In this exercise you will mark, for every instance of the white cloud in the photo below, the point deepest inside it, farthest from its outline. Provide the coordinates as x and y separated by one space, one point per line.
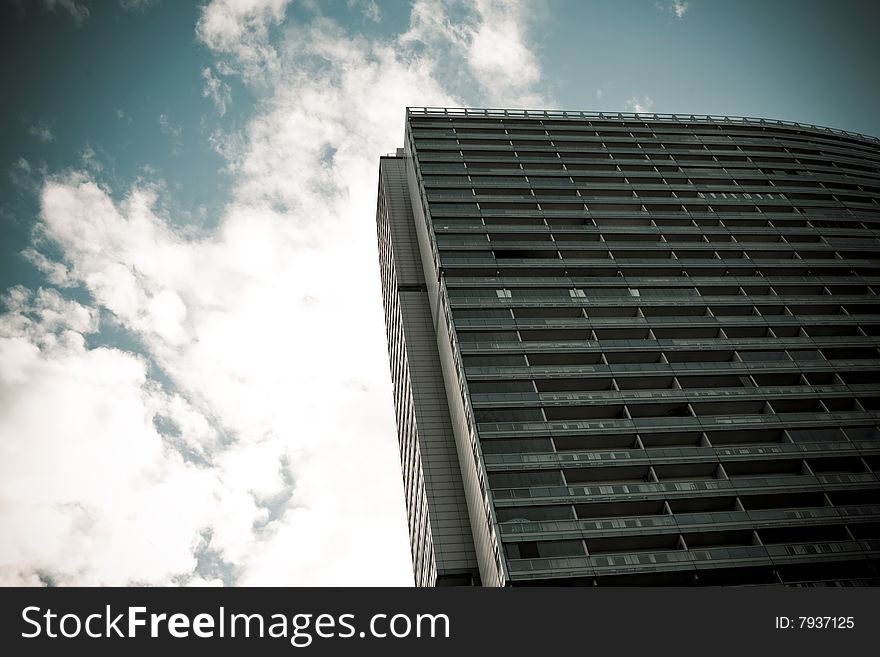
79 13
25 176
492 35
276 452
285 379
91 159
368 8
41 131
55 272
600 93
217 90
137 5
240 29
21 165
679 7
91 496
640 106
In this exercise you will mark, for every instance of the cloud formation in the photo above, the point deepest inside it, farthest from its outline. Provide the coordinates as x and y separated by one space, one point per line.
240 29
86 482
368 8
252 439
41 131
491 35
217 90
640 106
79 13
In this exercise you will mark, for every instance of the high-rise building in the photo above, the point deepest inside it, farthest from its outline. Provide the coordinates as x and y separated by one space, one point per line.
634 348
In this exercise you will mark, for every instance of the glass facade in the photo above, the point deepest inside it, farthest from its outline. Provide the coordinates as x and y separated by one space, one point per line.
655 339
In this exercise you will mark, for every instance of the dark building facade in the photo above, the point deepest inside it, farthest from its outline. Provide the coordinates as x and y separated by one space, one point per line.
634 349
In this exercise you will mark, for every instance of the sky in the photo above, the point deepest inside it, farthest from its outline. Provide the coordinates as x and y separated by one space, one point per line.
194 384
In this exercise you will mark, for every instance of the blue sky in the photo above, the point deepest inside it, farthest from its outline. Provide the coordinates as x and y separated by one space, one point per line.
187 213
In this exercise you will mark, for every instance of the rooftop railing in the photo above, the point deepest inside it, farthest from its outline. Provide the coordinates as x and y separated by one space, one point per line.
471 112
